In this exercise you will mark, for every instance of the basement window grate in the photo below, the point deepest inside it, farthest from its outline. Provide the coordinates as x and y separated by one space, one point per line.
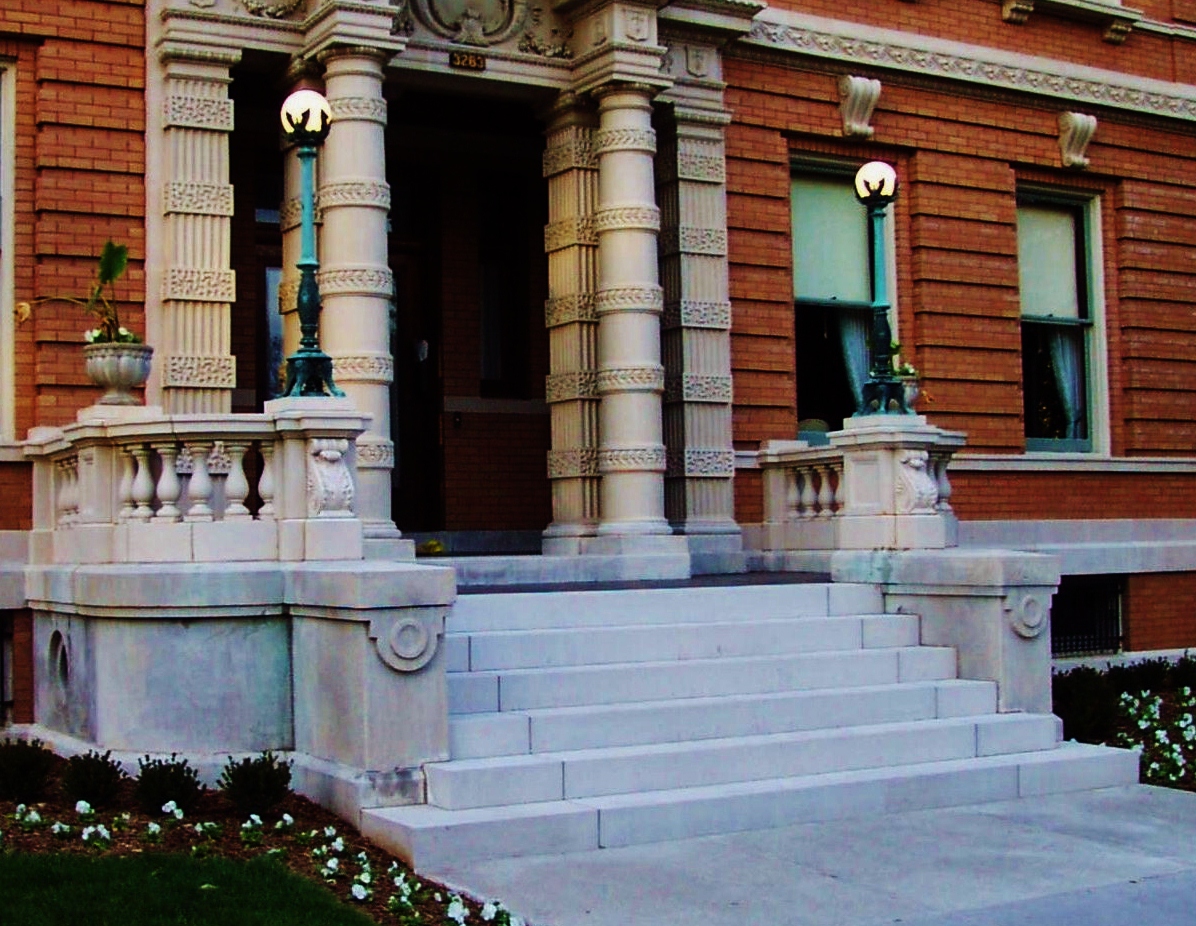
1086 616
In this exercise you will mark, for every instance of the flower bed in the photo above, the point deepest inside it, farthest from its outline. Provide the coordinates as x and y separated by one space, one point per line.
1149 707
304 837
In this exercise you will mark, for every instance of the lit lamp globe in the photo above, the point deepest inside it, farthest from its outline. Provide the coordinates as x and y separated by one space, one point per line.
306 116
876 183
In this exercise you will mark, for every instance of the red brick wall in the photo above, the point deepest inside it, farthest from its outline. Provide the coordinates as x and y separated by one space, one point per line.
80 164
16 489
495 474
22 668
961 153
1159 611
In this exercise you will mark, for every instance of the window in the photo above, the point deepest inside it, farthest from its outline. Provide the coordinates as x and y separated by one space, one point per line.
832 289
1086 615
1058 307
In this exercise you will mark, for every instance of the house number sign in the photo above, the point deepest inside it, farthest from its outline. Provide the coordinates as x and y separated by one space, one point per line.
467 60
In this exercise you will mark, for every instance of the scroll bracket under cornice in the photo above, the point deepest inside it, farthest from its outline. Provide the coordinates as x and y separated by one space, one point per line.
857 100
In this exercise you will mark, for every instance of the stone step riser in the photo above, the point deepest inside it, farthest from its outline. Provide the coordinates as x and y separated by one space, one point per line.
531 779
496 650
483 735
480 692
429 837
532 610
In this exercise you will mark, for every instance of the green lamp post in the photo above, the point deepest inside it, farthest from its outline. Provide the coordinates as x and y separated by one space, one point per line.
883 393
305 119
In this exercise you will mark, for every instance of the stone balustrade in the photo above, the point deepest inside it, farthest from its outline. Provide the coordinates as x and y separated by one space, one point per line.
881 483
137 485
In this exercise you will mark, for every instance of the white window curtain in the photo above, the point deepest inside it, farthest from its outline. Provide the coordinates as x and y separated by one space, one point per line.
853 336
1067 359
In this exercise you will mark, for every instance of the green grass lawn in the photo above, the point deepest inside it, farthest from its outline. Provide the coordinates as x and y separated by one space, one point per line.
161 890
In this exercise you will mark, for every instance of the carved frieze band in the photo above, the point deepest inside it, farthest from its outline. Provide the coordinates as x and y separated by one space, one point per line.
629 299
695 387
788 32
567 387
689 239
691 313
364 368
375 454
631 379
356 281
702 462
569 232
576 155
358 109
199 112
373 194
290 213
184 284
190 198
564 310
631 459
701 168
200 372
572 464
627 217
288 296
624 140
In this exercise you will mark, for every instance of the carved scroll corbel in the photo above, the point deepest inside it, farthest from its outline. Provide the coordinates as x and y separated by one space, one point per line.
1075 132
857 100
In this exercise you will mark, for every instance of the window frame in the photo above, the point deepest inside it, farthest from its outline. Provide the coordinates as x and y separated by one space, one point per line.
1090 294
844 171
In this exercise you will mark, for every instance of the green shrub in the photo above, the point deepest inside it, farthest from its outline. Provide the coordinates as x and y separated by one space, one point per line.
92 777
257 784
164 780
1086 700
24 770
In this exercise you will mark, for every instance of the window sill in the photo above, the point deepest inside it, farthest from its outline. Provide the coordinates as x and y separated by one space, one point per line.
1118 20
1069 463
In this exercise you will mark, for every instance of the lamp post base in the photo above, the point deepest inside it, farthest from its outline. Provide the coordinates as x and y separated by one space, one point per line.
309 372
883 397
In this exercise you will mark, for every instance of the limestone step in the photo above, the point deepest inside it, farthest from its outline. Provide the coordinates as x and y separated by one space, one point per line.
468 783
536 610
525 689
430 837
593 726
521 649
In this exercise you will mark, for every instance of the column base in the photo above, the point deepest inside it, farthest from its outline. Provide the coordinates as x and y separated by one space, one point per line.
631 544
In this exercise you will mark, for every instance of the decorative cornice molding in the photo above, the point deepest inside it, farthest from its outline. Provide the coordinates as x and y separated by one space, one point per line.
888 49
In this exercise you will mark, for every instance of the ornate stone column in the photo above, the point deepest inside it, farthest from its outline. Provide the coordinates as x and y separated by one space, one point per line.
356 284
194 370
691 186
571 172
629 302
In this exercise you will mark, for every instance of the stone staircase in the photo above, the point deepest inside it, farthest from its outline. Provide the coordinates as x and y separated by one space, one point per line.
592 719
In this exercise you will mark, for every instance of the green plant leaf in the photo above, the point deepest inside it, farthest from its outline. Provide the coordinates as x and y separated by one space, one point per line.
114 258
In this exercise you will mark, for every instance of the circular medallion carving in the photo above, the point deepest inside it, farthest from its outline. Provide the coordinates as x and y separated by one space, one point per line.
1028 614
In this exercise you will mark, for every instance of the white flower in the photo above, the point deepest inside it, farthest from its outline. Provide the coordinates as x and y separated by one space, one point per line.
88 832
456 910
364 877
332 864
102 832
255 819
178 813
286 822
359 892
33 817
59 829
83 809
169 807
489 910
152 828
338 845
20 811
330 831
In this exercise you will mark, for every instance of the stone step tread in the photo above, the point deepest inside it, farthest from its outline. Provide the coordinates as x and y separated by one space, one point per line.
564 646
428 836
672 720
653 766
678 621
597 608
521 689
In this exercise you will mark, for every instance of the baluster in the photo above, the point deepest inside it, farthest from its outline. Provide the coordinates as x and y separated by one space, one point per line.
62 497
169 487
808 498
838 466
200 487
128 466
826 497
792 495
944 484
236 486
265 483
143 485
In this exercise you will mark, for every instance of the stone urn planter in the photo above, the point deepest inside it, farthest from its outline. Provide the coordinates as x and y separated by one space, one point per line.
118 368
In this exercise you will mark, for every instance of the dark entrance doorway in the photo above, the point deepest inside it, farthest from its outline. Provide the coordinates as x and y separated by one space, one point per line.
468 208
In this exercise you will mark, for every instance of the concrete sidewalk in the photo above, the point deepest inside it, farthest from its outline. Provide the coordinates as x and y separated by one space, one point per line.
1114 856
